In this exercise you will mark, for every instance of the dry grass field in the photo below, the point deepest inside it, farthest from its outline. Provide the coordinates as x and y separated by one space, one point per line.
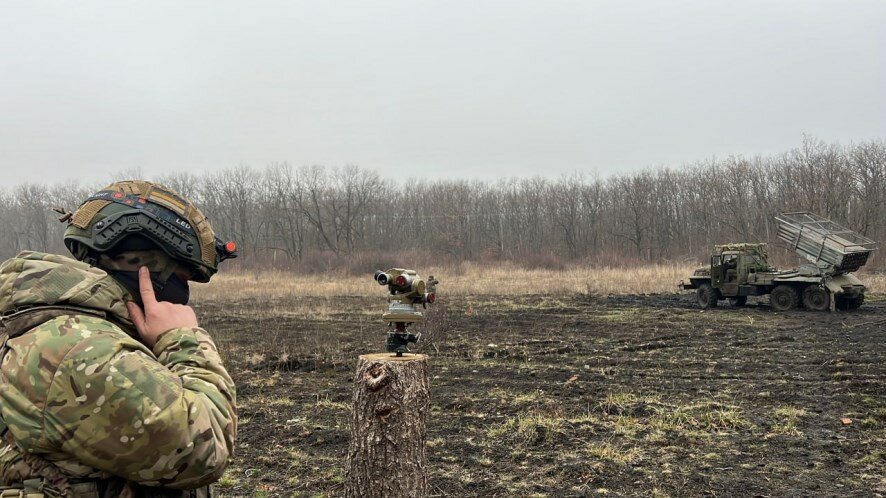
590 382
469 279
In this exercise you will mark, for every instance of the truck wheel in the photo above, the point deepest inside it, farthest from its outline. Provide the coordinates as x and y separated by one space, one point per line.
738 301
856 302
816 298
784 298
850 302
707 296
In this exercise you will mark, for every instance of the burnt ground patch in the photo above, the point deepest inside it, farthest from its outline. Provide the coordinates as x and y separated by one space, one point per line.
574 396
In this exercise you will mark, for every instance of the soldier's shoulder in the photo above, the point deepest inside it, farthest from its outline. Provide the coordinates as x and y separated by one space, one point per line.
50 342
33 361
76 327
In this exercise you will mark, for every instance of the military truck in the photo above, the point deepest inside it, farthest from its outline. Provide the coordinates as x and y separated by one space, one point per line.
738 271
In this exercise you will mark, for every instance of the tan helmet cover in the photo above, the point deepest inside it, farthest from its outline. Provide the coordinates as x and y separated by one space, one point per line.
135 192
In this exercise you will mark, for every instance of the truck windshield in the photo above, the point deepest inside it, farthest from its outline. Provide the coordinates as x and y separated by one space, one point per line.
759 262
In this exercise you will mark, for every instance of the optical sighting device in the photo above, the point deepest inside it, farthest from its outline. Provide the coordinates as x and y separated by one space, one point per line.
408 290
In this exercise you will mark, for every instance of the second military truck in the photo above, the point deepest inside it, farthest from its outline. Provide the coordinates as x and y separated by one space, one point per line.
737 271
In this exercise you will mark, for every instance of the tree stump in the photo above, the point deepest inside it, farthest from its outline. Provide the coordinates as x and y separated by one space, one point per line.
387 457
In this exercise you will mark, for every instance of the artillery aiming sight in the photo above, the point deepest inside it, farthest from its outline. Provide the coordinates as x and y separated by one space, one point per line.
407 291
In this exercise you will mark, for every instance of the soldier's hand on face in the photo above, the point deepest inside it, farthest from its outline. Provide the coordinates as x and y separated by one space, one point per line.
158 316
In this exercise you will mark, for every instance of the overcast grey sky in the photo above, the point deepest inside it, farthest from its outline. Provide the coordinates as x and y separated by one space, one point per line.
429 88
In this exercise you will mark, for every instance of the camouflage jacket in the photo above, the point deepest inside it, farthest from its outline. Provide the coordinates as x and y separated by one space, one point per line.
82 397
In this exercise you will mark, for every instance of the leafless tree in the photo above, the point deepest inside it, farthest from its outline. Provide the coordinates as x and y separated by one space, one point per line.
296 216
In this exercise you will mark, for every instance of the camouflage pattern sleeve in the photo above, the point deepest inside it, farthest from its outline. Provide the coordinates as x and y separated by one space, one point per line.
164 420
12 465
192 356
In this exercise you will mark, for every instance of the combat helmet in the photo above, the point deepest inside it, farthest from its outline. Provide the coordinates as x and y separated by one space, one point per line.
128 210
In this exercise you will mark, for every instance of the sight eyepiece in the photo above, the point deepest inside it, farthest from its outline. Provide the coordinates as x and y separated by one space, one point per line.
382 278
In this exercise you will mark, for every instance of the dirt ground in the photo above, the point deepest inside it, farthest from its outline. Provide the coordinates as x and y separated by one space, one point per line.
573 396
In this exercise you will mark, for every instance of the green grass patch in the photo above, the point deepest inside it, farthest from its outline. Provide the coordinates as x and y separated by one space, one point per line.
787 420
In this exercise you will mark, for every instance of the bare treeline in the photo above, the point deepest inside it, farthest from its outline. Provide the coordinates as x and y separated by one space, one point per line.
319 219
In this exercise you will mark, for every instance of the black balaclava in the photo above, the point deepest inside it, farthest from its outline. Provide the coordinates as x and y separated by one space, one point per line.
135 251
175 290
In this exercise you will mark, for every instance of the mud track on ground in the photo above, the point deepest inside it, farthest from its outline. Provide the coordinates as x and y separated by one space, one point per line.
574 396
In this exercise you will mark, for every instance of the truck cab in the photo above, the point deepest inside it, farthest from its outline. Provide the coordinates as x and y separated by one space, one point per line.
735 266
731 269
725 272
736 272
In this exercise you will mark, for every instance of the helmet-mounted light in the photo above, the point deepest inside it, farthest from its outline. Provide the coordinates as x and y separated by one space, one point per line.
225 250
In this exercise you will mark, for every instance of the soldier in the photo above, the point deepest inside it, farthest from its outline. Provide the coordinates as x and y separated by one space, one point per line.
108 386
